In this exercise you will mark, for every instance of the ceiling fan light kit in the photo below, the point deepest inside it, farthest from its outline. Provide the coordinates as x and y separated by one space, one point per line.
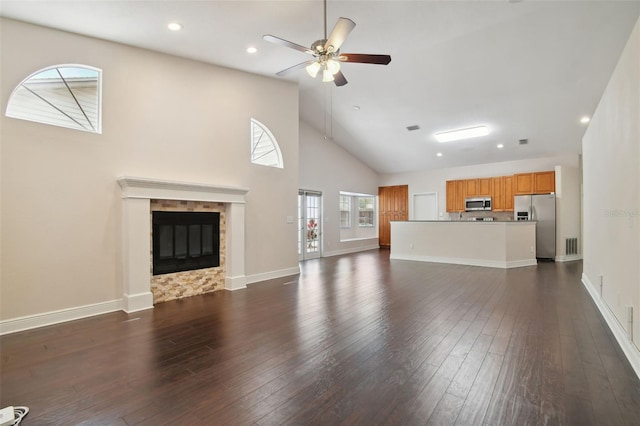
326 53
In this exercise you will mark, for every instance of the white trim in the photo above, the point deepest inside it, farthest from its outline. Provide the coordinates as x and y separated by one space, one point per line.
235 283
358 239
412 207
568 258
629 349
137 302
135 187
252 279
351 250
55 317
469 262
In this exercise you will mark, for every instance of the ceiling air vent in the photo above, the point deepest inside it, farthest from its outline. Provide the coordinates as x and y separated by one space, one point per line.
523 141
412 128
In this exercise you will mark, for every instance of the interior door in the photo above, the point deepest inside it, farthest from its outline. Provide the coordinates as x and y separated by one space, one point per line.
309 225
425 206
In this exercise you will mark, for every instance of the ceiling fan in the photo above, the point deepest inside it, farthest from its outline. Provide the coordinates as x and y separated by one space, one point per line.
326 53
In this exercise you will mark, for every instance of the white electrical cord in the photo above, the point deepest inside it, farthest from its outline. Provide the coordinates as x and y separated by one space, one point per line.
19 413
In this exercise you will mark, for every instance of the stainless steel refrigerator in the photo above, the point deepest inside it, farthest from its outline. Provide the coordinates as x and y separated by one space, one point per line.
542 209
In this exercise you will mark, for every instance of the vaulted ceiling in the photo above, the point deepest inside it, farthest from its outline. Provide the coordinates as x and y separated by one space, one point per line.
526 69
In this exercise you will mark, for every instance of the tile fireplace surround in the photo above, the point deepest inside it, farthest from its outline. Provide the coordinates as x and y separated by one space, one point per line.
137 194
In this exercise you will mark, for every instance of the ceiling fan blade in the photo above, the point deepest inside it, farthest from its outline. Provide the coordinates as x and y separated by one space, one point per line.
294 68
339 79
339 33
286 43
364 58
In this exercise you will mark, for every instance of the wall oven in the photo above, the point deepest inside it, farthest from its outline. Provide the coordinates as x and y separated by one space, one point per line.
477 203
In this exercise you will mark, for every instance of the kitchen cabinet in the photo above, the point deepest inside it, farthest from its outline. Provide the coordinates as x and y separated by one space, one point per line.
484 187
535 183
393 204
497 194
544 182
508 193
456 193
470 188
523 183
502 194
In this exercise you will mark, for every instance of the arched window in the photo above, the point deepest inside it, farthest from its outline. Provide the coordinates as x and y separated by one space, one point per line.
264 147
60 95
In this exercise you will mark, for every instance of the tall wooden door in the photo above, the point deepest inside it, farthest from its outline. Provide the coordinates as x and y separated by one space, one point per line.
393 202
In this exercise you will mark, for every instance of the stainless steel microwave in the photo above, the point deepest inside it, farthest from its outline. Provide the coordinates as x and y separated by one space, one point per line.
477 203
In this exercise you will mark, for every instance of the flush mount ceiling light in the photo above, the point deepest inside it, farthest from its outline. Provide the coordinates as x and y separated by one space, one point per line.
459 134
174 26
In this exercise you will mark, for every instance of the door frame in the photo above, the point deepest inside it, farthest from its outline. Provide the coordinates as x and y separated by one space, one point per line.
303 221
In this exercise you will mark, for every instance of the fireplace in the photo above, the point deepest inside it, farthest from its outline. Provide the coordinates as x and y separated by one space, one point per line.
137 196
185 241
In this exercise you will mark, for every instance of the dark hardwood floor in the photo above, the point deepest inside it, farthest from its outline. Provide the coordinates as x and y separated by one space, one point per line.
357 339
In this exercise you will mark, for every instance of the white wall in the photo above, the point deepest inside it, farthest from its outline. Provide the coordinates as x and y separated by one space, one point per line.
328 168
163 117
568 210
611 158
435 180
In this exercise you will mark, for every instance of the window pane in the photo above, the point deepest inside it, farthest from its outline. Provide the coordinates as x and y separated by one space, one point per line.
207 239
63 95
181 241
194 240
345 211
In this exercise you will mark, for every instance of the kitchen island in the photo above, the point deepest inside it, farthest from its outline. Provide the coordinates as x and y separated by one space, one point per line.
478 243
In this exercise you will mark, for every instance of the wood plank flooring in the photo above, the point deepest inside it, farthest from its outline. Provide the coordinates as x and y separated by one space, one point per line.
357 339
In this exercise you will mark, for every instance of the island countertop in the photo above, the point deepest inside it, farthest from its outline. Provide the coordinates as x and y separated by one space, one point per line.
497 244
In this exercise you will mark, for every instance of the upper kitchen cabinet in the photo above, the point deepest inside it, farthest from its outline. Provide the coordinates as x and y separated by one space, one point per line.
508 193
502 194
480 187
523 183
535 183
544 182
456 193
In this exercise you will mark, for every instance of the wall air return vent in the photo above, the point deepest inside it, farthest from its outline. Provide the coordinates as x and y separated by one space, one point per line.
523 141
412 128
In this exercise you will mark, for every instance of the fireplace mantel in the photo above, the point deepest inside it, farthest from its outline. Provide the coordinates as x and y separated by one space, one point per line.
137 194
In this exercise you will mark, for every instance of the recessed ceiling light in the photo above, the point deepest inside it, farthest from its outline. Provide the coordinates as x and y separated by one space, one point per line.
251 49
439 154
500 145
455 135
585 120
174 26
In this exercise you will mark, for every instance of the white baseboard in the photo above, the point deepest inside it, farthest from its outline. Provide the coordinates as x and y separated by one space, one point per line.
55 317
568 258
272 275
137 302
235 283
350 250
468 262
629 349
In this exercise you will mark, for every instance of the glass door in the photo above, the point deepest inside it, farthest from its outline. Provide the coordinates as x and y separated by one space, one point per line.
309 224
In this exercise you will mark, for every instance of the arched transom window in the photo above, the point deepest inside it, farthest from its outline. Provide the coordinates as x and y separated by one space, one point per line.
60 95
264 147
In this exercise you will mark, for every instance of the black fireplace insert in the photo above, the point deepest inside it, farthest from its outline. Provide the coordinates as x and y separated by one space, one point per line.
184 241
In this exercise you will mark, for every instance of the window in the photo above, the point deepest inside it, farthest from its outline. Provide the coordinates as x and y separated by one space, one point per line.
264 147
61 95
366 211
345 211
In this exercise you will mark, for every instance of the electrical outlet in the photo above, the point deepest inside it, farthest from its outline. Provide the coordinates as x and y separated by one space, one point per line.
531 249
